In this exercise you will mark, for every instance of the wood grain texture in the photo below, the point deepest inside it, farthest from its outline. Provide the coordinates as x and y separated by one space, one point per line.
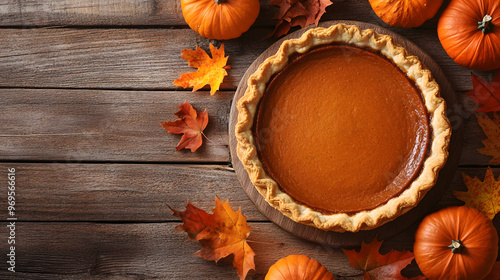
149 13
139 192
98 13
95 125
148 58
145 251
108 125
121 192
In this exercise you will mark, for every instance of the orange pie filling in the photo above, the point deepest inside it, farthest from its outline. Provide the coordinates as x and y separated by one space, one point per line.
342 129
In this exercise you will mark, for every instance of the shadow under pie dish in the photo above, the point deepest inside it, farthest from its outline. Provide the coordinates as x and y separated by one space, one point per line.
342 129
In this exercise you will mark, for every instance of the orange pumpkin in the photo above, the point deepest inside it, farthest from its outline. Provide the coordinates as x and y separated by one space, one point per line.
469 31
298 267
220 19
456 243
404 13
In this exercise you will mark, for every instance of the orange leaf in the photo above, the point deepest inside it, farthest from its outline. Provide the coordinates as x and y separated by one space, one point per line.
491 128
495 272
483 196
486 94
211 71
379 266
221 234
297 13
190 124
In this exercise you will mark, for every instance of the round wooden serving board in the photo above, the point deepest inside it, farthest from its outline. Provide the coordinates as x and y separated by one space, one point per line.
350 239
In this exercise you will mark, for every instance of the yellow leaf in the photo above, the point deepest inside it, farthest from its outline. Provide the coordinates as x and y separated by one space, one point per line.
483 196
491 128
211 71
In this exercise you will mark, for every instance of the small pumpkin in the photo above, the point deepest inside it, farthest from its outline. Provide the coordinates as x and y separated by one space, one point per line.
456 243
404 13
298 267
469 31
220 19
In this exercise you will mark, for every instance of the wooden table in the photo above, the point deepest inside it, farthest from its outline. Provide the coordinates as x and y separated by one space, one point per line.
84 86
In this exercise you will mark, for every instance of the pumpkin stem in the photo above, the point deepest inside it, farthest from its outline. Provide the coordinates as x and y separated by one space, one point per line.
456 246
485 26
219 1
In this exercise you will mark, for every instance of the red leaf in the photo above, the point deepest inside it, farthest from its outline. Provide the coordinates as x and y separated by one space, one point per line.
485 93
190 124
379 266
297 13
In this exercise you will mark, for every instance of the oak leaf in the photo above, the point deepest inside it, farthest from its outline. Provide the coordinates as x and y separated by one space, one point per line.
211 71
190 124
491 128
485 93
297 13
483 196
378 266
221 234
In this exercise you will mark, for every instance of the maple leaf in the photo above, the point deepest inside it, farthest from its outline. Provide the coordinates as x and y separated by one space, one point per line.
190 124
297 13
221 234
211 71
485 93
491 128
483 196
379 266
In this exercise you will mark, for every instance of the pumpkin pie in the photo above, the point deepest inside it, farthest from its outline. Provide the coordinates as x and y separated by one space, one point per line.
342 129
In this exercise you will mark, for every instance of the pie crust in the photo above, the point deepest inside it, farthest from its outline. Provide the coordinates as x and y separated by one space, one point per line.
367 219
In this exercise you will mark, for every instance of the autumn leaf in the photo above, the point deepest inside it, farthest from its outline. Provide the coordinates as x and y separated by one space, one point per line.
379 266
297 13
211 71
221 234
485 93
491 128
483 196
190 124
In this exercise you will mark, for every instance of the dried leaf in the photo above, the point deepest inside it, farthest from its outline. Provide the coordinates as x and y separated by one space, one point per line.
190 124
221 234
485 93
491 128
297 13
483 196
211 71
379 266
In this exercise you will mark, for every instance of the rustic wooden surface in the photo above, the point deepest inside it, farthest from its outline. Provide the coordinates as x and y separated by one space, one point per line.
83 88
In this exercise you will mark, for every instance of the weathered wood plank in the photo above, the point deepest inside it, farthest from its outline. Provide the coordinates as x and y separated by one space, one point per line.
121 192
149 13
90 125
147 251
104 125
137 192
146 58
109 13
